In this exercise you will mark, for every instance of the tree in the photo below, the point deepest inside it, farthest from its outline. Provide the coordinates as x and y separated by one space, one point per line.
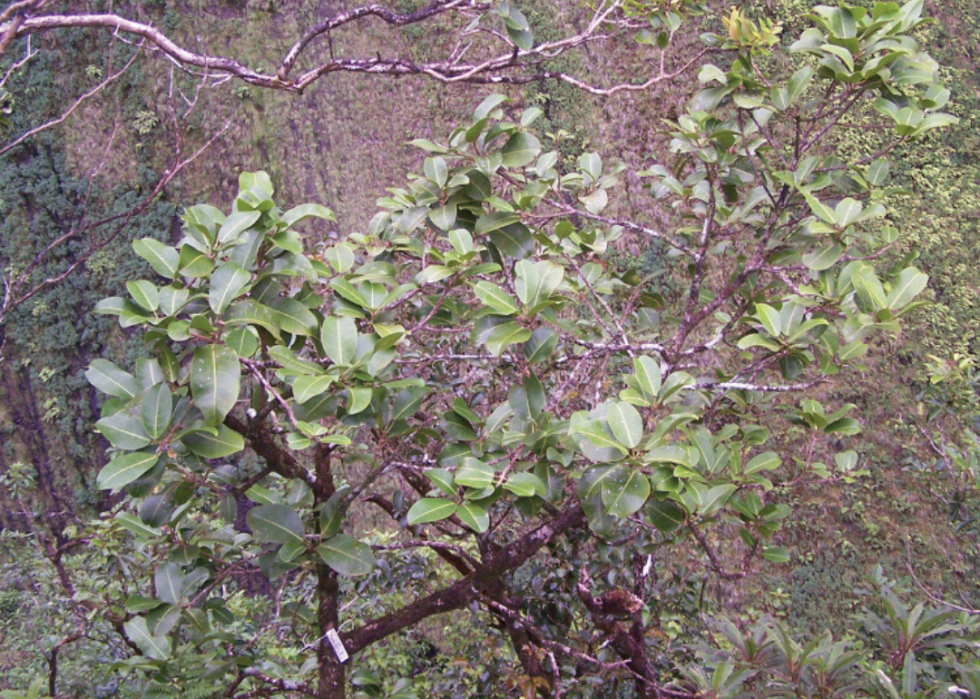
476 369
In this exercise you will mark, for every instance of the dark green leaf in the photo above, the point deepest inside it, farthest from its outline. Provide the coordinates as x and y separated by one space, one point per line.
277 524
215 446
110 379
156 410
347 555
123 431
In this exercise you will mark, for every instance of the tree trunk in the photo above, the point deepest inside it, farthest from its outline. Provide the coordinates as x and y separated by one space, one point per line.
331 680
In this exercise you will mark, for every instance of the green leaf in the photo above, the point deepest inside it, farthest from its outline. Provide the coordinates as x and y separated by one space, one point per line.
359 399
525 485
305 211
194 263
169 583
490 103
496 298
846 426
306 387
847 212
709 500
340 257
292 364
155 647
474 516
540 345
671 454
763 462
776 554
215 381
910 283
339 338
473 473
520 150
647 372
243 341
125 469
436 171
227 283
594 431
137 603
495 221
846 460
332 514
878 172
407 402
824 258
173 299
428 145
162 258
277 524
110 379
145 294
626 425
294 317
123 431
769 317
797 84
505 335
347 555
536 282
443 217
443 480
514 240
666 516
215 446
589 490
136 526
157 509
624 491
156 410
249 312
236 224
431 510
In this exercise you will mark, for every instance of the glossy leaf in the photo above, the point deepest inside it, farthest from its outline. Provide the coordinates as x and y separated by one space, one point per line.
125 469
214 379
156 409
347 555
431 510
277 524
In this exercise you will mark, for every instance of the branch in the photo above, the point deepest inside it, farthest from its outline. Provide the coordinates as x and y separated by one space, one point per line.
493 70
11 300
467 589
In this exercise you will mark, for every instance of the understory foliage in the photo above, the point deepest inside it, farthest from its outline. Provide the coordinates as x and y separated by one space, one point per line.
465 410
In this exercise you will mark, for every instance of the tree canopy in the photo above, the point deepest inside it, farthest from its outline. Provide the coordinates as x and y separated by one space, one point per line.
471 407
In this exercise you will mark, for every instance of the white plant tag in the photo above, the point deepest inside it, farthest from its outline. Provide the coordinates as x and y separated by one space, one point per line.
338 646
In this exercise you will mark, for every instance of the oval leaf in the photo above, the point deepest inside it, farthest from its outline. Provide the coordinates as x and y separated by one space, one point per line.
347 555
215 381
277 524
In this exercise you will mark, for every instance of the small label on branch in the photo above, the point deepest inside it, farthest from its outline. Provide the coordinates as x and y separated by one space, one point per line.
338 645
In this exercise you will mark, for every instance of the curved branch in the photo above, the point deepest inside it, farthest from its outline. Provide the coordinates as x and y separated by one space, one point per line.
494 70
467 589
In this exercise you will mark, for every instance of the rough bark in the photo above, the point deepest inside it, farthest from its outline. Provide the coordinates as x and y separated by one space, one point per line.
331 680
